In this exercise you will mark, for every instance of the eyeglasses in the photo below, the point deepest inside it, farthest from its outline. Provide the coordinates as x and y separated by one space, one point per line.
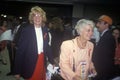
37 15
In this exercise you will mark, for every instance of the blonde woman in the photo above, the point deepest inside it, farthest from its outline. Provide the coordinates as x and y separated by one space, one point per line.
33 48
75 57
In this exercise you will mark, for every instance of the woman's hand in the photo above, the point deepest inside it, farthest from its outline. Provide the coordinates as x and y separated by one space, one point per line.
92 72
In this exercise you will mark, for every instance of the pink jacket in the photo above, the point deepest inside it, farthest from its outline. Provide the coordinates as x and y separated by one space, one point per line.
71 56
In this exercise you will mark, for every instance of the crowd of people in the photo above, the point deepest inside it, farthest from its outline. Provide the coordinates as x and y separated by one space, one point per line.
92 52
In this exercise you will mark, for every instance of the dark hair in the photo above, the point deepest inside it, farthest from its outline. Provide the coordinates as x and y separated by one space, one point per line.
116 28
118 40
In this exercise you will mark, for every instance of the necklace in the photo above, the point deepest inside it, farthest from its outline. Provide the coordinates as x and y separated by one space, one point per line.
81 44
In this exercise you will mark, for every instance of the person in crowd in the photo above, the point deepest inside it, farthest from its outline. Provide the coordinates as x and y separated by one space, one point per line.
95 37
116 34
104 51
3 25
67 29
18 26
5 42
57 31
9 40
76 54
33 48
5 39
11 45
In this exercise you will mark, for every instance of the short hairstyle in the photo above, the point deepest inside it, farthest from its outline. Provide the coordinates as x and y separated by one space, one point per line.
37 9
83 23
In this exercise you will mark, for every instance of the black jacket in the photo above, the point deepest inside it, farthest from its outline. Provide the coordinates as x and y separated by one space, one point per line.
103 54
26 53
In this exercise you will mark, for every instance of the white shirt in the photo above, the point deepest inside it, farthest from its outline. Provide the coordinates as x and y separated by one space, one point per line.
96 35
104 32
7 35
50 38
39 37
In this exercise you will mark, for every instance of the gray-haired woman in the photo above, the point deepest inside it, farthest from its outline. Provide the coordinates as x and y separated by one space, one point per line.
75 57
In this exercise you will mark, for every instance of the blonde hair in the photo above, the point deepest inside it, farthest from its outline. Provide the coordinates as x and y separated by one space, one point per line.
83 23
37 9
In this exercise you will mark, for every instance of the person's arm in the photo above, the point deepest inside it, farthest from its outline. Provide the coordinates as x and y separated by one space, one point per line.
48 50
65 61
19 57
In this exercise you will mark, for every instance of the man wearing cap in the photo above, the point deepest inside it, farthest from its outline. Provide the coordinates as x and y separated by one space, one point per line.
103 56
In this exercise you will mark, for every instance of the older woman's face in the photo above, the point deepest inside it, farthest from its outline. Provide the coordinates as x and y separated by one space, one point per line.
37 19
87 32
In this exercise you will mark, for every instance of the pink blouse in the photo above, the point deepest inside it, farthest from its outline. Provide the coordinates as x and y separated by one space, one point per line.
71 57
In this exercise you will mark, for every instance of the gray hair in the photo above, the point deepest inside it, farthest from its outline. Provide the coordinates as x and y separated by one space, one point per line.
83 23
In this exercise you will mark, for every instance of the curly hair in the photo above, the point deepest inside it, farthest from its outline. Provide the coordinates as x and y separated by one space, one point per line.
83 23
37 9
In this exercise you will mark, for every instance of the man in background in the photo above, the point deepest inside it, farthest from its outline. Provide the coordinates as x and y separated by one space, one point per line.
104 51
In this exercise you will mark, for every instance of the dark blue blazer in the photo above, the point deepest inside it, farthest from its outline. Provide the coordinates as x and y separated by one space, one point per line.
103 56
27 53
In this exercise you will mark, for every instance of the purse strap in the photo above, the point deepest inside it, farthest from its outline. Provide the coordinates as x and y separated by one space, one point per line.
73 61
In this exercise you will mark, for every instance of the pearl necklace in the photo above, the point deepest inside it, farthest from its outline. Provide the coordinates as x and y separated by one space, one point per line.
81 44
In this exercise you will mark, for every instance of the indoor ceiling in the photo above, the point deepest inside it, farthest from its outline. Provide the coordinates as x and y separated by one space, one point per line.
21 7
72 1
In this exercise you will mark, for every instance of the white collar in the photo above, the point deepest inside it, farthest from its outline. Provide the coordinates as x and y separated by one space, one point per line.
104 32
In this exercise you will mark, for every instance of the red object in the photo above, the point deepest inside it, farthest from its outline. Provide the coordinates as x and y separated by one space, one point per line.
39 72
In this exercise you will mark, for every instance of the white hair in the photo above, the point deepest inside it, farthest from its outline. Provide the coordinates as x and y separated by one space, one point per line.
83 23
